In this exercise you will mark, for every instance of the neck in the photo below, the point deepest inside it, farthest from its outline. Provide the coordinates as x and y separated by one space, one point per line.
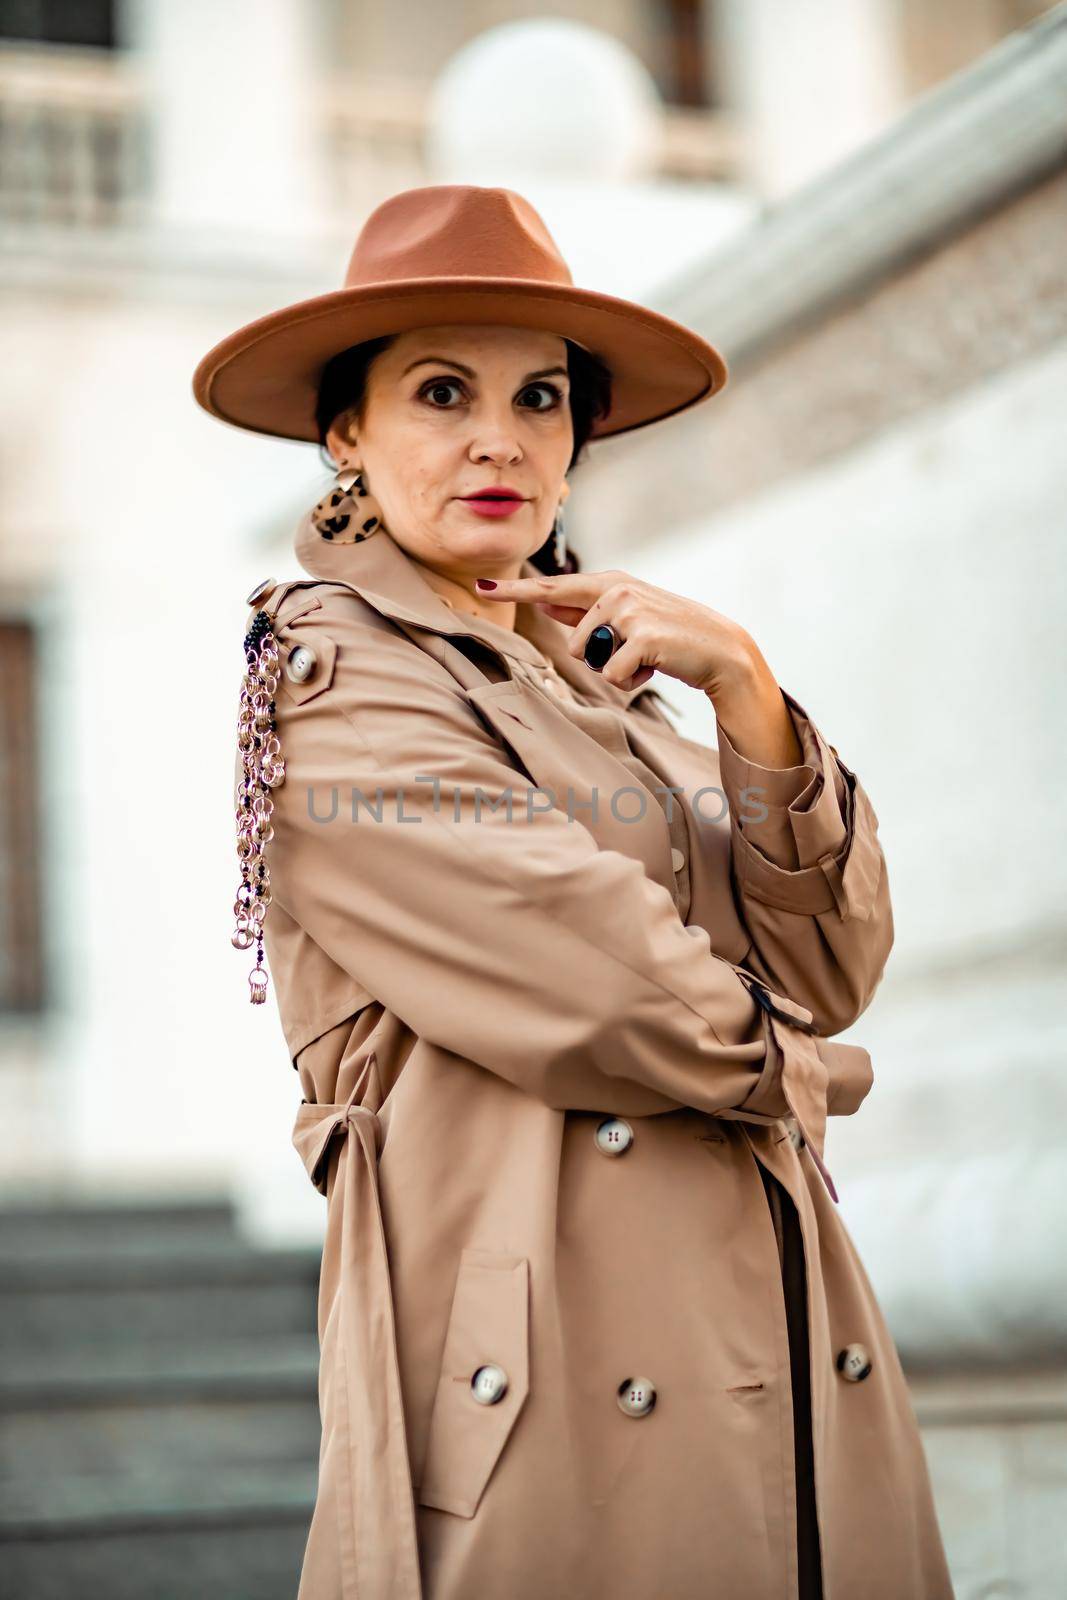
460 598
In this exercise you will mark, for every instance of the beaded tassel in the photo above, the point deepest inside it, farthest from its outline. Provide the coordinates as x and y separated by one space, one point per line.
263 770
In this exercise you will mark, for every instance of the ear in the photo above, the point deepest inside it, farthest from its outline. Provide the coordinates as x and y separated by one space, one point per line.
339 438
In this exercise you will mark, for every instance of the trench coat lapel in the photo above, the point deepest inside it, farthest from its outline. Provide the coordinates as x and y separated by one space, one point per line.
381 571
556 755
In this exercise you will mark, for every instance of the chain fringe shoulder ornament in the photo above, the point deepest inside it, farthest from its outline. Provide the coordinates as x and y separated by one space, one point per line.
346 514
263 769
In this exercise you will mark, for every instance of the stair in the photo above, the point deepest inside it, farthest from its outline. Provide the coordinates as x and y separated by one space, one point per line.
159 1423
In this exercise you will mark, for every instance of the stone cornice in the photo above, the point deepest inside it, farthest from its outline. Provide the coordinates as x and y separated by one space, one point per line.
961 151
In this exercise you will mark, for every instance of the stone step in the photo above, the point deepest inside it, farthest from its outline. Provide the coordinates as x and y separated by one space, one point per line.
253 1555
159 1420
126 1411
258 1562
128 1373
163 1498
69 1300
204 1431
30 1229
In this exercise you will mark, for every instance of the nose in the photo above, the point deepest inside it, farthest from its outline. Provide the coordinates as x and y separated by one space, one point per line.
494 438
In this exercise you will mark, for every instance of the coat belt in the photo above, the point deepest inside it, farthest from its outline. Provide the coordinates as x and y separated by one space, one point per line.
376 1505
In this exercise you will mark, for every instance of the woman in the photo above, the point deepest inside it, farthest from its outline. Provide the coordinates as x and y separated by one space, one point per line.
590 1322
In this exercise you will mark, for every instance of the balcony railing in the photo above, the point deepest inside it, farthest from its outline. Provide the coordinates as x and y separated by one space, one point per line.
76 139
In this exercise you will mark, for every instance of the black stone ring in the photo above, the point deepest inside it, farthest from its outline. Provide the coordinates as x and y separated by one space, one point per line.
600 646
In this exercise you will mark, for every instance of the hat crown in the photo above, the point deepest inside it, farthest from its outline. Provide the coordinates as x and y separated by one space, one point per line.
453 253
455 230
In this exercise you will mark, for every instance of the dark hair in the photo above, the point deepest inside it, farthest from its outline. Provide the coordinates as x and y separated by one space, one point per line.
343 387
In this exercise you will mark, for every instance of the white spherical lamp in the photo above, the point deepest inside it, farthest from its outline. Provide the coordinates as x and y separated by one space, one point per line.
543 96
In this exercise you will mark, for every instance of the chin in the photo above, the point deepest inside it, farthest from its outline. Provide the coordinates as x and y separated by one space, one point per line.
489 541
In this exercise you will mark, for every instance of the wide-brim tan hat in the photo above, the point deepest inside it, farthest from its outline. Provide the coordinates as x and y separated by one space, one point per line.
453 253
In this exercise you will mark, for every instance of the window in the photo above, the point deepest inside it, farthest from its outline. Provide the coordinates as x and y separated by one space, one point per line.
684 52
85 22
21 941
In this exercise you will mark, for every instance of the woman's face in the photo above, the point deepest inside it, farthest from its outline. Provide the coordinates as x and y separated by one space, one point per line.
453 409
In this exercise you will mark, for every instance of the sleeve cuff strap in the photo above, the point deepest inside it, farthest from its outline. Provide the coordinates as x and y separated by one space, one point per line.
841 854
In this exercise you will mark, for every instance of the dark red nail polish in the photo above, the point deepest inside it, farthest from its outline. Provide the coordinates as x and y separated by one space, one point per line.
485 583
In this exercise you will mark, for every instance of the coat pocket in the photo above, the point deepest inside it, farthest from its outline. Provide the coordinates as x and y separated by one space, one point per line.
488 1327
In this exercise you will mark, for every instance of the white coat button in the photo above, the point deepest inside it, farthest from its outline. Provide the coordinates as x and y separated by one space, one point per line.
854 1363
614 1136
636 1397
259 591
301 664
677 860
555 684
489 1384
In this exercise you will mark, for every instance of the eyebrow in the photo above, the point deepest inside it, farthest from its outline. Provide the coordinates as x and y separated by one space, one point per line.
446 361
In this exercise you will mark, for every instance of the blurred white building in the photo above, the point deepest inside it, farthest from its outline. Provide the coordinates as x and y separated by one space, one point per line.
878 497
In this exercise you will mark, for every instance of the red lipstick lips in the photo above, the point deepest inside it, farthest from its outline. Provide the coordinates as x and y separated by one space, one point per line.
498 501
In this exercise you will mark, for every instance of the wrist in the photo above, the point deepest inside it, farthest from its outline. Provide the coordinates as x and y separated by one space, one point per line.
751 712
739 678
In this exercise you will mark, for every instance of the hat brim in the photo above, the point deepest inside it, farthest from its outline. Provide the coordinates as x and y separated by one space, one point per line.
265 376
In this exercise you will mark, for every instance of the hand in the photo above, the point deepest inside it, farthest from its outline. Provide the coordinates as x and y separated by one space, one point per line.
660 631
666 632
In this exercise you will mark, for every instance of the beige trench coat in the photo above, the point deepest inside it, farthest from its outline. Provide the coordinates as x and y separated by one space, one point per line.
566 1079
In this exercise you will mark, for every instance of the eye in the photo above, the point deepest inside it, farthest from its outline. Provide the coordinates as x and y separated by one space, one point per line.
435 386
544 388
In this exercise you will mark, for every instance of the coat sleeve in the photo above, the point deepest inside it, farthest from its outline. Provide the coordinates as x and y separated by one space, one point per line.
809 875
429 868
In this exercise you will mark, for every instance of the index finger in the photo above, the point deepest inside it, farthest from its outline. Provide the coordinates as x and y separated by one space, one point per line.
565 588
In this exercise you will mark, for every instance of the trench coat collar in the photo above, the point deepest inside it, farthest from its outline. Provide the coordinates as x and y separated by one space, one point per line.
379 569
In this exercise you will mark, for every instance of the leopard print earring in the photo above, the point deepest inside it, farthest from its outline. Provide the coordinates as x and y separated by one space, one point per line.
348 512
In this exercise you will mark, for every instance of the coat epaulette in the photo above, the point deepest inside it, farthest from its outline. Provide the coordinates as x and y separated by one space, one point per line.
262 770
